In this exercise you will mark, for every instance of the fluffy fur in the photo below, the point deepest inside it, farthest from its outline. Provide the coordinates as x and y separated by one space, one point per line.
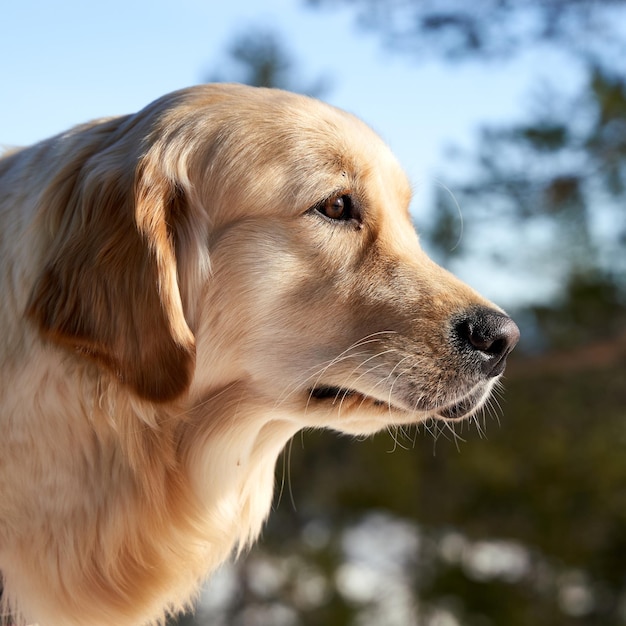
183 290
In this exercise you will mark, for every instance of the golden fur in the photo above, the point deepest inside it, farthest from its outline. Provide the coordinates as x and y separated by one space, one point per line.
182 291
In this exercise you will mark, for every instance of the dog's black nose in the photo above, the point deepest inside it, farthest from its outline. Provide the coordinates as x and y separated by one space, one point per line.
491 333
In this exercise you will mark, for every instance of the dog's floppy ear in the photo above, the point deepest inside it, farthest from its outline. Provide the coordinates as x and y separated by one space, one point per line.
109 289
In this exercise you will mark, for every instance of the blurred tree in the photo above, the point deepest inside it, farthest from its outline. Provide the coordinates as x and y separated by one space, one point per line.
259 57
491 29
561 175
543 198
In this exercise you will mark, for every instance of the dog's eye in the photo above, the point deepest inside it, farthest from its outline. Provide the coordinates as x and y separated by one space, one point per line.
337 208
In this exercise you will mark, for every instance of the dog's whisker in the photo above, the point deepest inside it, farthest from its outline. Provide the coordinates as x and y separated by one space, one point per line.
438 429
351 384
391 387
456 438
346 387
479 429
286 476
320 370
395 432
459 211
317 375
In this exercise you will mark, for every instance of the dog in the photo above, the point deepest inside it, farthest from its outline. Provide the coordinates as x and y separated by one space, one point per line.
183 290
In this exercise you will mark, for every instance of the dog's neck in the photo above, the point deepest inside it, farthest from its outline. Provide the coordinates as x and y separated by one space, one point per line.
231 461
204 490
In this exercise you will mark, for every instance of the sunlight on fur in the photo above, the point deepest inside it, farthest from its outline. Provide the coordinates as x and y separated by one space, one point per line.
184 289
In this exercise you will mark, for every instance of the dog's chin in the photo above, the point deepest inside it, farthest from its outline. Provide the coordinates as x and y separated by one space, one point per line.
466 405
346 400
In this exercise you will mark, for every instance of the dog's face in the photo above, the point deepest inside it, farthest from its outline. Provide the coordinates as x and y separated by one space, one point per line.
320 293
278 232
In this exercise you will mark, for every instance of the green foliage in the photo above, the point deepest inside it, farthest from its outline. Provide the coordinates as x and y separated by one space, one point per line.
545 136
591 308
258 57
491 29
564 175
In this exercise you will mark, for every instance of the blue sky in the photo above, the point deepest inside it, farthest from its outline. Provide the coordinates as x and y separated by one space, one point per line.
71 61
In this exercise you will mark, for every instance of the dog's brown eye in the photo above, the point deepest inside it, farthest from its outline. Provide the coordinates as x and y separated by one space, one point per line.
337 208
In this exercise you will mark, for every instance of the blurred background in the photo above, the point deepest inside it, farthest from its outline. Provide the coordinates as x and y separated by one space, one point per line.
510 119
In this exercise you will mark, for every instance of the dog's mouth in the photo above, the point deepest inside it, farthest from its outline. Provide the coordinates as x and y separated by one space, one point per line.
460 409
341 394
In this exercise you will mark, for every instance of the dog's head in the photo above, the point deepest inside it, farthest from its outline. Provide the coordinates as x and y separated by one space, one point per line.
235 235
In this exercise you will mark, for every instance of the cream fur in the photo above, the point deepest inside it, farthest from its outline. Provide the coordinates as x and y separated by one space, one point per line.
170 299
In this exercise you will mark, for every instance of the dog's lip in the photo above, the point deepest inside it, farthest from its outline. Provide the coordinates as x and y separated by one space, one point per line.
336 394
461 408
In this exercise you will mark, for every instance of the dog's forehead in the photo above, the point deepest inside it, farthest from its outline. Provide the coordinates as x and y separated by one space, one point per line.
343 151
267 147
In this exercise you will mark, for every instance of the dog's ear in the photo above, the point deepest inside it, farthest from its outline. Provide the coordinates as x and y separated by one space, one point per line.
109 290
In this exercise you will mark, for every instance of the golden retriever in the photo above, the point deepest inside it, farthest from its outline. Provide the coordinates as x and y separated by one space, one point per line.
183 290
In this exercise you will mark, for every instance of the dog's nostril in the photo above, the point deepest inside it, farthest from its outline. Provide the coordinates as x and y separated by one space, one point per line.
492 333
490 340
